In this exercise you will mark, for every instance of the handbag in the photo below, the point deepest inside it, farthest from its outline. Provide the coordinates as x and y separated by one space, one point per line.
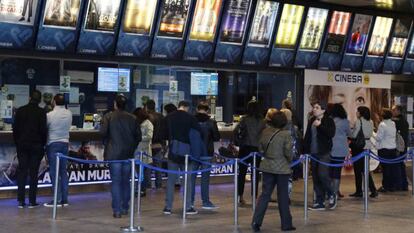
358 142
399 141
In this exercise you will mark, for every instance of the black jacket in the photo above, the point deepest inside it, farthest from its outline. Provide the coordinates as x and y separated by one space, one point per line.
325 133
30 126
209 131
121 133
402 126
157 120
178 125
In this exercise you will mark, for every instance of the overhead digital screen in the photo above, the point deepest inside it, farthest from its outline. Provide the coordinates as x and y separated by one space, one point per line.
62 13
205 20
18 11
102 15
113 79
263 23
174 14
289 26
234 21
139 15
380 36
314 27
359 36
411 50
204 83
400 38
337 31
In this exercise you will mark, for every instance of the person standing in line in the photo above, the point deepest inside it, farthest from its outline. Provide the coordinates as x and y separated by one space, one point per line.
144 145
340 148
121 133
403 128
318 142
209 134
59 121
386 137
157 144
276 145
247 133
30 135
365 123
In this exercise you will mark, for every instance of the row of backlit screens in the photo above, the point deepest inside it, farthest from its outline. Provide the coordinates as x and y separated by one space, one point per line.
102 15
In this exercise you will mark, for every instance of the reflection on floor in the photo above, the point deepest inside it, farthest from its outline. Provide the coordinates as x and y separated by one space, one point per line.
92 213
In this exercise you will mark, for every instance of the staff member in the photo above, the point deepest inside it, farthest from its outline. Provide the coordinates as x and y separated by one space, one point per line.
29 133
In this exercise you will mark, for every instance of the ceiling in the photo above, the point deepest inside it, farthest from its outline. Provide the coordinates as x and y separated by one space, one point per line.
404 6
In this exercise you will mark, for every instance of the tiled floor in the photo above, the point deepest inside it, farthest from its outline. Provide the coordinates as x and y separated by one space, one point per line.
90 213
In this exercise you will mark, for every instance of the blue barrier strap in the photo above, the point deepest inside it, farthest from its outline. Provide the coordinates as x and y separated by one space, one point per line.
90 161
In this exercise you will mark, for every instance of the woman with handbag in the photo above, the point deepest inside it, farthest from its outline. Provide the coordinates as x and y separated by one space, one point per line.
276 145
364 127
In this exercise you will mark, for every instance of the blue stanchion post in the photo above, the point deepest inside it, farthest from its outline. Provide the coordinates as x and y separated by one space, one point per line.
55 190
366 180
185 188
305 184
412 170
141 171
254 178
236 210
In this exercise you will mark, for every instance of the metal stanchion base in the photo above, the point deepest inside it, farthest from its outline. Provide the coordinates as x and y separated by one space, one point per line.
132 229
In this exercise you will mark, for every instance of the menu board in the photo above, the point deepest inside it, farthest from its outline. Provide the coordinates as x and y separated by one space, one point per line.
337 31
62 13
205 20
113 79
314 27
380 36
289 26
174 14
411 49
18 11
234 21
400 38
102 15
263 23
204 83
139 15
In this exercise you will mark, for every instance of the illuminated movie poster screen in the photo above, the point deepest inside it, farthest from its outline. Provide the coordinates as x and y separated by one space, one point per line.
205 20
380 36
62 13
289 26
400 38
234 21
174 14
411 50
314 27
139 16
102 15
263 23
18 11
337 32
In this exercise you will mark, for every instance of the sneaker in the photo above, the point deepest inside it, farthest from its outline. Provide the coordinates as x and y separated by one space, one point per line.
255 227
33 205
318 207
50 204
332 202
64 204
167 211
191 211
21 205
209 206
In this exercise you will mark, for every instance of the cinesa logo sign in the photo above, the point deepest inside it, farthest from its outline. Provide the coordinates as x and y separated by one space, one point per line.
348 78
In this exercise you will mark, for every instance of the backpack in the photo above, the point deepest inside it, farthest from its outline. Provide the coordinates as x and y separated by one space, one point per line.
399 141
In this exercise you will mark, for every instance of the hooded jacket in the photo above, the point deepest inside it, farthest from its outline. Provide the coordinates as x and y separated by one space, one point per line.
209 131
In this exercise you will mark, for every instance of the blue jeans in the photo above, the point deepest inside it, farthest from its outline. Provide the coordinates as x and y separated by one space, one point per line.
63 185
205 181
171 183
120 187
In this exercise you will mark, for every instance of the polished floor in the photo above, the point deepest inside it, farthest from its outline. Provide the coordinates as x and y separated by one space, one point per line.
91 212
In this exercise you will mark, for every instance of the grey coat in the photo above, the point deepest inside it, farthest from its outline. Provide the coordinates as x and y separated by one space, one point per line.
121 133
340 146
278 156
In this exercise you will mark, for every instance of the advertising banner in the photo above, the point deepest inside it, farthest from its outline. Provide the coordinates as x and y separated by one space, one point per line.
62 13
234 21
379 38
349 89
359 34
174 15
205 20
399 40
408 67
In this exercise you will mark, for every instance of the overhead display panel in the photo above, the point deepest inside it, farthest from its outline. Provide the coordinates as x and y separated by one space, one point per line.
359 34
137 30
62 13
99 27
399 38
334 45
205 20
264 21
314 28
408 67
174 15
289 26
234 21
17 18
139 16
380 35
410 53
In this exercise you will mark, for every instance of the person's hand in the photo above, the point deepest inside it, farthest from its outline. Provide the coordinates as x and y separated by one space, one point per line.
316 122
